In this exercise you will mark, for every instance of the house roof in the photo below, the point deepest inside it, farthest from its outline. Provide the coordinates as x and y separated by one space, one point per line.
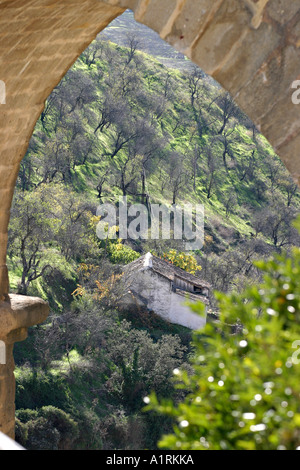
165 269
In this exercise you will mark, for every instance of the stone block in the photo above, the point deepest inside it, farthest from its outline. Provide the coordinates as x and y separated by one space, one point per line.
223 32
6 195
6 440
7 388
243 58
156 13
269 92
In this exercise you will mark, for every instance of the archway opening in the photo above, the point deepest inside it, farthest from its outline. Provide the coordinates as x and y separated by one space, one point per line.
219 160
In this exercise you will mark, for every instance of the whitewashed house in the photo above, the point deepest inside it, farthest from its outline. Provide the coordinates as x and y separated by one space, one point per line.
163 288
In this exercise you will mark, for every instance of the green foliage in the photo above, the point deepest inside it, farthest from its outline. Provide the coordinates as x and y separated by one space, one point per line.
25 415
49 428
21 432
183 141
244 390
172 145
49 228
90 364
139 364
124 431
91 428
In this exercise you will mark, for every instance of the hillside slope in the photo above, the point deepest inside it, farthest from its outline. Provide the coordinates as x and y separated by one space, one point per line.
121 123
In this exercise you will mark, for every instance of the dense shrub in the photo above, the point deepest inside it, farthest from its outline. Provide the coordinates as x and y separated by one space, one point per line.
41 435
21 432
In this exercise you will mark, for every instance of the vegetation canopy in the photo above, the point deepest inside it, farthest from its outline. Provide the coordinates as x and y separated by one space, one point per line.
139 120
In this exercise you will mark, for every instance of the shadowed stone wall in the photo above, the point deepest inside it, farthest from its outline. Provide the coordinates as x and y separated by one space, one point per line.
250 46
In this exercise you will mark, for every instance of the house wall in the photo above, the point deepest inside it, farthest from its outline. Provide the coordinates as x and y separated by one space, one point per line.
182 315
149 289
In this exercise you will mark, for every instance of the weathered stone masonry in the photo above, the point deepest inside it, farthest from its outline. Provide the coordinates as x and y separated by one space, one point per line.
250 46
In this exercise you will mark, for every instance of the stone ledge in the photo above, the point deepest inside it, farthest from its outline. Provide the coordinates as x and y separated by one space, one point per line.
19 312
